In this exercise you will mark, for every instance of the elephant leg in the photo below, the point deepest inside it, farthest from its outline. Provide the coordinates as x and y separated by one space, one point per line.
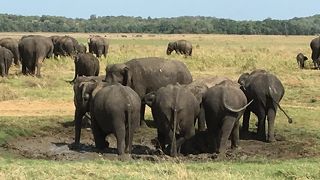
245 124
38 66
184 139
142 112
261 132
98 135
77 121
24 69
161 139
120 132
235 135
227 126
3 70
201 121
271 118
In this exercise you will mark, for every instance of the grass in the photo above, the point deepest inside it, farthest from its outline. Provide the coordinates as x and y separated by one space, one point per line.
222 55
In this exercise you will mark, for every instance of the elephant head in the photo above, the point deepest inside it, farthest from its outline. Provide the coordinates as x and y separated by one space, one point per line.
119 73
171 47
242 79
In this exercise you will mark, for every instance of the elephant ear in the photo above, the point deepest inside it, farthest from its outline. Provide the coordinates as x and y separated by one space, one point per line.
127 76
149 98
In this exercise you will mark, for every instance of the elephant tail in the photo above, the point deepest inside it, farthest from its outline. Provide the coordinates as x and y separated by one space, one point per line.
233 109
75 72
271 91
129 132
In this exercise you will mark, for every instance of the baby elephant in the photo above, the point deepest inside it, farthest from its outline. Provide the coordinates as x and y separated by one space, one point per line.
224 104
181 47
5 61
86 64
301 59
174 109
115 109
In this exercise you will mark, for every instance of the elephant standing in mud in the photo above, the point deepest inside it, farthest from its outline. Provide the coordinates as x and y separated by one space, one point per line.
180 47
86 65
13 46
266 91
115 109
301 59
33 50
145 75
98 45
224 104
315 56
174 109
6 57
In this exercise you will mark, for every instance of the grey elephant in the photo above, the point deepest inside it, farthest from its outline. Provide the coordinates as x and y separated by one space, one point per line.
98 45
82 87
115 109
180 47
223 104
6 57
174 109
301 59
86 64
81 48
65 46
33 50
145 75
266 91
315 56
13 46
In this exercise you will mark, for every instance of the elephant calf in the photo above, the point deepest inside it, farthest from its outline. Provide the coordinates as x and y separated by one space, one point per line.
86 65
115 109
181 47
5 61
224 104
174 109
301 59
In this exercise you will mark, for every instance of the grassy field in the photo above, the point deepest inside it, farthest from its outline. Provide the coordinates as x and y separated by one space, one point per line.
30 106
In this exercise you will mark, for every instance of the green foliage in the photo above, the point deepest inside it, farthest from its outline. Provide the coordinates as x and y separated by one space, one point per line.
178 25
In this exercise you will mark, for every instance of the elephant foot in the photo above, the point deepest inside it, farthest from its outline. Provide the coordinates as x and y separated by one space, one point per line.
271 140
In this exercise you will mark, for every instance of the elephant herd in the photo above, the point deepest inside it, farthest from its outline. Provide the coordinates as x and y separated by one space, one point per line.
181 107
315 55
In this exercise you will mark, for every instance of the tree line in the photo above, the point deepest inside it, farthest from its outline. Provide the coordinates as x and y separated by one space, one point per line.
176 25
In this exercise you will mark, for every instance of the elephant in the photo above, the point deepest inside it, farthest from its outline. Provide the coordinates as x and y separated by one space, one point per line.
223 105
83 85
145 75
86 65
301 59
174 109
13 46
65 46
6 57
98 45
81 48
115 109
266 91
315 56
181 47
33 50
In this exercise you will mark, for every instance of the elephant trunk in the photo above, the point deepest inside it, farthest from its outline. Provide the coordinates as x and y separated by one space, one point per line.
75 72
289 118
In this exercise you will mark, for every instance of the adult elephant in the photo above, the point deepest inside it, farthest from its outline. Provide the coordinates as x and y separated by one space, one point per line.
145 75
266 91
13 46
86 65
315 47
98 45
33 50
181 47
301 59
174 109
6 57
224 104
81 48
65 46
115 109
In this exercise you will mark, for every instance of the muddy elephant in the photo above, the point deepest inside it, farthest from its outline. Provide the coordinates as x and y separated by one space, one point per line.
266 91
64 46
223 104
83 85
86 65
33 50
145 75
181 47
115 109
13 46
301 59
6 57
98 45
174 109
315 55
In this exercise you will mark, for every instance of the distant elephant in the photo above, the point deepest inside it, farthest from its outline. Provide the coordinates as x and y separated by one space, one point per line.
301 59
181 47
115 109
315 56
6 57
65 46
145 75
174 109
266 91
223 104
98 45
13 46
33 50
86 65
81 48
82 87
